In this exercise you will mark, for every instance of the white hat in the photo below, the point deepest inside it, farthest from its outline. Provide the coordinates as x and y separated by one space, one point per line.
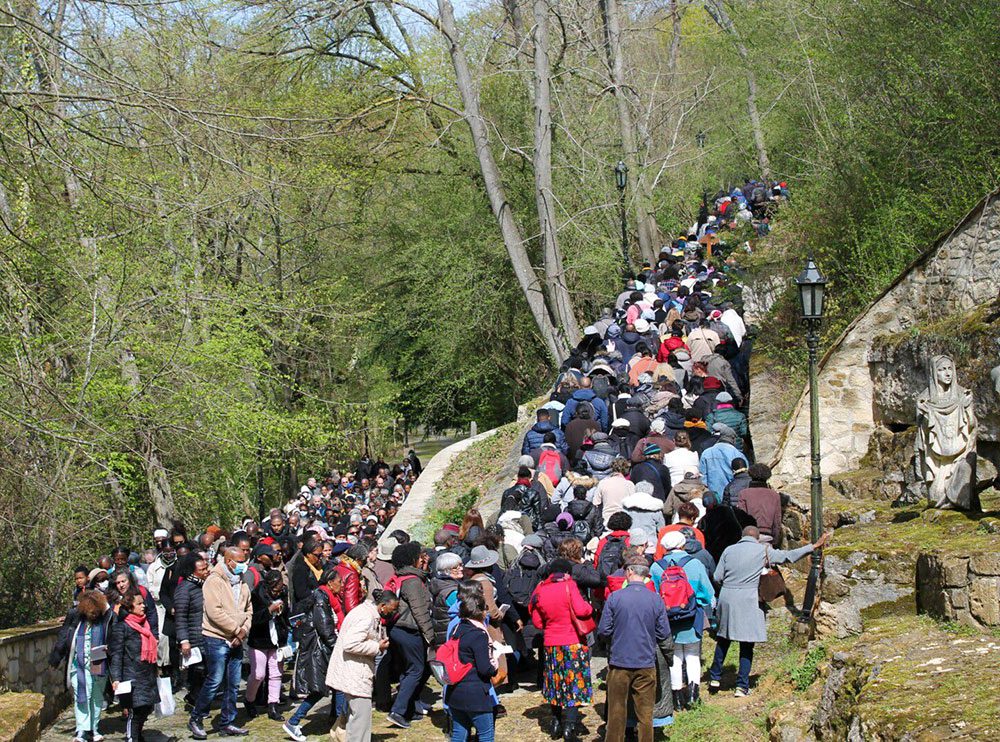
160 533
658 425
673 540
641 326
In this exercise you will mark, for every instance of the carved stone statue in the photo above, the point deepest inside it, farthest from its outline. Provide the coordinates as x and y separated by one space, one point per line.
946 439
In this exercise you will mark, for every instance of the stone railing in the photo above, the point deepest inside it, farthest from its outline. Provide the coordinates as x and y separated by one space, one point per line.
964 589
24 666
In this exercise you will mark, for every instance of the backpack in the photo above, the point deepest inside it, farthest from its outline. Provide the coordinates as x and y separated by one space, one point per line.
610 558
450 668
395 583
601 386
586 404
520 583
675 590
581 530
255 576
549 462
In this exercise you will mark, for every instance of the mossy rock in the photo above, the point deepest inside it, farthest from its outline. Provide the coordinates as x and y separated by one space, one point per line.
20 716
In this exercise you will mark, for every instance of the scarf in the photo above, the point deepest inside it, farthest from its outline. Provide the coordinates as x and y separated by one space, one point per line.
700 424
149 642
194 580
317 572
97 638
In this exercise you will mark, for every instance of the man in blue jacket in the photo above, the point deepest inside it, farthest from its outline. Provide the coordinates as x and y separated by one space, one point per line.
586 393
636 621
535 437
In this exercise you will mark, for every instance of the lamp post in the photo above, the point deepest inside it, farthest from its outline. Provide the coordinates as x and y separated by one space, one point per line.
812 286
621 180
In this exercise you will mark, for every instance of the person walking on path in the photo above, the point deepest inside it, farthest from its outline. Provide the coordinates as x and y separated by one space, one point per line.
559 611
133 652
225 627
352 664
741 618
635 621
470 700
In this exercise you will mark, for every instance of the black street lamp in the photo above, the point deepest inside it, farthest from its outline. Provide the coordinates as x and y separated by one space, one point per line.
812 287
621 180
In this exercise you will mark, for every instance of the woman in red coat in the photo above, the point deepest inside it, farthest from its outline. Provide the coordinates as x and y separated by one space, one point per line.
565 618
349 567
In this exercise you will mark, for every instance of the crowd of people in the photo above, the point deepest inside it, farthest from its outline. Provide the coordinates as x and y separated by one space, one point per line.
638 521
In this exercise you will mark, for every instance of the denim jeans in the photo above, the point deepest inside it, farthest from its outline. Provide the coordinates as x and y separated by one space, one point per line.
746 661
410 646
462 723
222 668
307 703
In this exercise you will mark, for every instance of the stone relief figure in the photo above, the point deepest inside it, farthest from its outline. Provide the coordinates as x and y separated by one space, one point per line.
946 439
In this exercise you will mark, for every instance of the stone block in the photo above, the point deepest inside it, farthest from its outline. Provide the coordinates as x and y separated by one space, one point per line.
985 564
954 571
958 599
984 600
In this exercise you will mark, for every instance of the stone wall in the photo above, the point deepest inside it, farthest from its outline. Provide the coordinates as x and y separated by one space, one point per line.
24 666
960 272
965 589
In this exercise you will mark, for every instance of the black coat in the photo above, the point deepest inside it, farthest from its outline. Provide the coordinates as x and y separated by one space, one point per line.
260 623
656 474
189 609
317 635
442 588
124 652
304 583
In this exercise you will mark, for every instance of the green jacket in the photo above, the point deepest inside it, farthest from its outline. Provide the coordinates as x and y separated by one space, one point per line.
731 417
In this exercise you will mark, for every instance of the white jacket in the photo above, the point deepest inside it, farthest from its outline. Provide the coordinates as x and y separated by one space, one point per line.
352 662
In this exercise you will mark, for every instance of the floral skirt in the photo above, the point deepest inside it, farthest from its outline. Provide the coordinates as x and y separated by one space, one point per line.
566 676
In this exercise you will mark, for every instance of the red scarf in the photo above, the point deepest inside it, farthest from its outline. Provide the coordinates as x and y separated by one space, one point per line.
334 600
149 643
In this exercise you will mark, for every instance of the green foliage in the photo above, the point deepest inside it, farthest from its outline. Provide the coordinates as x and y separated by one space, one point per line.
804 674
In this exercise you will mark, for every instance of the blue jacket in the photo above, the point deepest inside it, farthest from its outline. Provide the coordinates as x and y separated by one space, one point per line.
600 407
716 466
535 437
636 621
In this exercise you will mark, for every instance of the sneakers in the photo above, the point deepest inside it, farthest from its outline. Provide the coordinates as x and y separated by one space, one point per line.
422 708
713 686
95 737
197 730
396 720
741 693
294 731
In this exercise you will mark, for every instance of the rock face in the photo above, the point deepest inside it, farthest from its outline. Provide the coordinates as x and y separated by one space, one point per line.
960 588
856 583
961 272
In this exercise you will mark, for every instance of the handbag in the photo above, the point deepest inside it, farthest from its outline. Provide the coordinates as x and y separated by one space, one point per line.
582 630
772 582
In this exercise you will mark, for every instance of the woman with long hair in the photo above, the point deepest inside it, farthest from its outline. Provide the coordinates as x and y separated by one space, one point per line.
87 670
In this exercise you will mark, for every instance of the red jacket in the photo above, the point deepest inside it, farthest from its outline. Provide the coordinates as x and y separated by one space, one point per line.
351 595
604 541
669 346
550 606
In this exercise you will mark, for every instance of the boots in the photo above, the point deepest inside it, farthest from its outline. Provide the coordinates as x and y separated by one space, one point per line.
555 727
251 708
273 713
693 694
678 700
571 732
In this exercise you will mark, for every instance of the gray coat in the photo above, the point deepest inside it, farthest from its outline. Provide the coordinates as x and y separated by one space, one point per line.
740 616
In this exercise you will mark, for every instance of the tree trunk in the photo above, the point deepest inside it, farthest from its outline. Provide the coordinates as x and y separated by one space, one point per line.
555 278
717 10
145 436
555 343
646 228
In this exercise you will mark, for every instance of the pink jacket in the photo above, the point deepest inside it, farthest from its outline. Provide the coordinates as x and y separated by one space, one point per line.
551 604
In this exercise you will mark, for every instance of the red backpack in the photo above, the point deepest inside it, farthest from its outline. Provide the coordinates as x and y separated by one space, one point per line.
675 590
550 463
395 583
450 668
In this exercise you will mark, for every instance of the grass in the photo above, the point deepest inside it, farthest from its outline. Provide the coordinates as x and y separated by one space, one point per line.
805 674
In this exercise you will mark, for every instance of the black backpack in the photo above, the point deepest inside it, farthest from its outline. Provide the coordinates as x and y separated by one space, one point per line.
581 530
601 386
611 555
520 583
